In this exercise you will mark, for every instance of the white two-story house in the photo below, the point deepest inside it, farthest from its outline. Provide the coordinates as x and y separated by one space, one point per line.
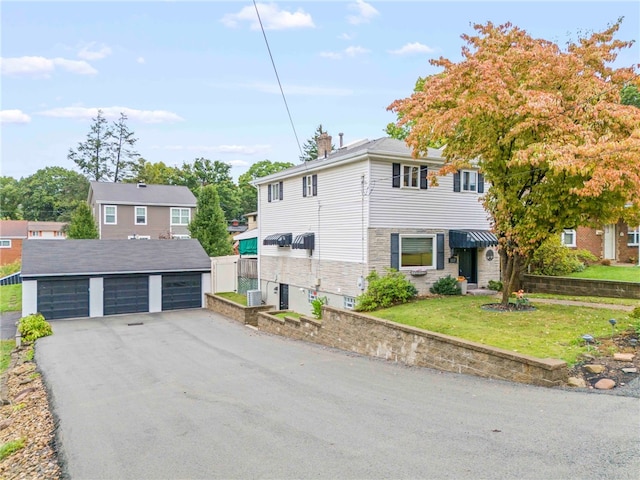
326 224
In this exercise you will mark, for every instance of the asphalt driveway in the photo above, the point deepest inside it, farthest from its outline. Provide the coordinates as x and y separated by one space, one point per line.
194 395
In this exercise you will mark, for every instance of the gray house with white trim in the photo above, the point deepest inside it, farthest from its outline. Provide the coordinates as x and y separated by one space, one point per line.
326 224
94 278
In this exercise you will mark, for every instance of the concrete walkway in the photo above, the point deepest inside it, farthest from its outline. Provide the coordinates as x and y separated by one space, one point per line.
576 303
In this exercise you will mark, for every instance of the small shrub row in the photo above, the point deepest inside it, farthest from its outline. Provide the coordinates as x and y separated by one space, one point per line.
446 286
555 259
385 291
33 327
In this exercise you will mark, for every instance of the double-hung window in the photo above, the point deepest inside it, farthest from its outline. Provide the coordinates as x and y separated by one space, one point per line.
634 237
310 185
410 176
275 192
110 215
469 180
180 216
141 215
5 243
417 251
569 237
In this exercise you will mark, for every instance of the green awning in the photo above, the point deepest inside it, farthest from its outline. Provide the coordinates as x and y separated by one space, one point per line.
248 246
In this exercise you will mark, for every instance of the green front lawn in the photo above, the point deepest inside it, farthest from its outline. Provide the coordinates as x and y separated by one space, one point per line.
234 297
10 298
602 272
551 331
6 346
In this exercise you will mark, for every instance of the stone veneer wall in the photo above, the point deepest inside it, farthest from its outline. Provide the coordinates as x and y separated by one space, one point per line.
246 315
379 338
581 286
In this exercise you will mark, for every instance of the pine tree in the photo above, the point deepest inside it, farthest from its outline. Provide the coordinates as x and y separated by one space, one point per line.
122 149
92 156
209 225
82 224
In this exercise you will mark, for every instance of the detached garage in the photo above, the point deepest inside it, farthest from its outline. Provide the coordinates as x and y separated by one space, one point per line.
80 278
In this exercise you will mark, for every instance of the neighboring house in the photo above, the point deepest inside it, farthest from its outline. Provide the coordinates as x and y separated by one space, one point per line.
140 211
235 227
47 230
617 242
326 224
252 220
82 278
12 234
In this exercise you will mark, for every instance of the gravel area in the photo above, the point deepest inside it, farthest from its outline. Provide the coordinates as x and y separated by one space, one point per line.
27 417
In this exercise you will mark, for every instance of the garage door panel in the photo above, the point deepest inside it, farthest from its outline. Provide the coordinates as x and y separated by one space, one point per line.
181 291
63 298
126 294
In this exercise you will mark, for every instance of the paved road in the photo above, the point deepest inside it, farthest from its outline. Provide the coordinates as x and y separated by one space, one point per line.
8 325
195 395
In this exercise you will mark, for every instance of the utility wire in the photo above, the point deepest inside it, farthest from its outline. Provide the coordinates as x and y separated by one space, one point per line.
277 77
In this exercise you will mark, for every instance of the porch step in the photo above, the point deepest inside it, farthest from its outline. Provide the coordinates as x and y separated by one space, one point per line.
480 291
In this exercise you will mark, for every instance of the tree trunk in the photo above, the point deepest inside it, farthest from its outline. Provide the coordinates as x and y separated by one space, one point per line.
511 274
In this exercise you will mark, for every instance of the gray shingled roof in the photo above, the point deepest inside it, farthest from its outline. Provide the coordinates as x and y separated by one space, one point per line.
132 194
385 146
93 257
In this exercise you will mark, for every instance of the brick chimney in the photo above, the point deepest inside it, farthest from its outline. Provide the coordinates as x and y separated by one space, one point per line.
324 145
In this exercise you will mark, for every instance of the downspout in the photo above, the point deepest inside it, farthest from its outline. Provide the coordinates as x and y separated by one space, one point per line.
259 233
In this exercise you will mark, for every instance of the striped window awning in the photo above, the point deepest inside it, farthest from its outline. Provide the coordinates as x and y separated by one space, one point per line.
472 239
305 241
279 239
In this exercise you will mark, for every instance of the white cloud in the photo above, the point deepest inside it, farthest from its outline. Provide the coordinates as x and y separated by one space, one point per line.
93 51
364 12
352 51
14 116
235 149
140 60
113 113
44 67
272 18
346 36
412 49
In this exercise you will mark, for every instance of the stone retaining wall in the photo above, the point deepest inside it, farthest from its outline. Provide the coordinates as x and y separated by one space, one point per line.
246 315
581 286
379 338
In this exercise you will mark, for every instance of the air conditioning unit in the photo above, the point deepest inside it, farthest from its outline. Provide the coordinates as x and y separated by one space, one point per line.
254 298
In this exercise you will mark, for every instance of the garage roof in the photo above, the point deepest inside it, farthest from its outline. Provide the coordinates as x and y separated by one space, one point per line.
48 258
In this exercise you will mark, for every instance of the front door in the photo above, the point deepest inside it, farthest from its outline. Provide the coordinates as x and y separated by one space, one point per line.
284 296
610 242
468 264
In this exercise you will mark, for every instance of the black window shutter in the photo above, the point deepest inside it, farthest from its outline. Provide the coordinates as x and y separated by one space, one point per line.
424 172
480 183
456 181
269 193
396 175
314 183
395 251
281 192
304 186
440 247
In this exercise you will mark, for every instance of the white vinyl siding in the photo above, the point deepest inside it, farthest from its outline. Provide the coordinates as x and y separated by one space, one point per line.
338 202
435 208
110 215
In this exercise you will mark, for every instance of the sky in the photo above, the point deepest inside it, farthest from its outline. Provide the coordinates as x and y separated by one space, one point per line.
195 78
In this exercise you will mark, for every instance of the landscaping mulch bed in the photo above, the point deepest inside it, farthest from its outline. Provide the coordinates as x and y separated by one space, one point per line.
602 354
27 416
